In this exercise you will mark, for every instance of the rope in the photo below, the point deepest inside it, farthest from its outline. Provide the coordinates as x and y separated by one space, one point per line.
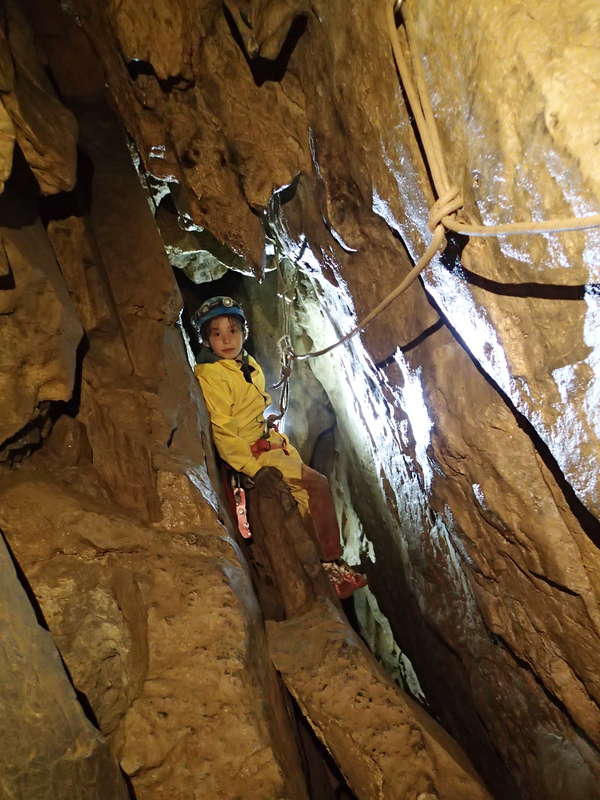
556 225
284 344
437 241
442 215
424 118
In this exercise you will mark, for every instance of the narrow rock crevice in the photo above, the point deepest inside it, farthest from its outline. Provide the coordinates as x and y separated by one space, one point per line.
35 604
137 67
560 706
269 69
461 443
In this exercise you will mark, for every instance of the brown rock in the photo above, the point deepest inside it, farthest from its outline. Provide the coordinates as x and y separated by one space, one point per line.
7 129
384 743
40 330
483 558
197 124
145 620
284 551
132 255
7 141
77 255
45 130
49 750
202 257
539 163
162 35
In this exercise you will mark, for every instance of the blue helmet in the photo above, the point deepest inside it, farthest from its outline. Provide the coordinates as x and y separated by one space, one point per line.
219 306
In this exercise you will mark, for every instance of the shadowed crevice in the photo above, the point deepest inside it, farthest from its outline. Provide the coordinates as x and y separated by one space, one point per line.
20 198
552 698
137 67
451 259
77 202
406 348
31 437
269 69
558 586
7 281
25 585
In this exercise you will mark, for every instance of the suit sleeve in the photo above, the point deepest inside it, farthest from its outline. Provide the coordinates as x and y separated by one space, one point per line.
232 449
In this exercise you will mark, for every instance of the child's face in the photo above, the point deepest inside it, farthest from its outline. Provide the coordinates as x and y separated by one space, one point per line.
225 337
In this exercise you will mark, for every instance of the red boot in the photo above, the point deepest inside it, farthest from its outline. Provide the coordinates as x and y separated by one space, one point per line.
343 578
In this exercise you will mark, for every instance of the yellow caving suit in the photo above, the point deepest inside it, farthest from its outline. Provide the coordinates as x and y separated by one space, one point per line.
236 410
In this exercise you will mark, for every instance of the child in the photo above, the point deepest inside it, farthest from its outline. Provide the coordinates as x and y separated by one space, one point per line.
233 385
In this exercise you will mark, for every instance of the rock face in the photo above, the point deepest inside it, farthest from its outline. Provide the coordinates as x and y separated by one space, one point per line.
467 430
49 749
34 109
146 619
538 162
40 331
111 512
384 742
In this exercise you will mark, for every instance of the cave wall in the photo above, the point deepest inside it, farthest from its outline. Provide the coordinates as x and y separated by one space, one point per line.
509 545
108 491
50 750
469 456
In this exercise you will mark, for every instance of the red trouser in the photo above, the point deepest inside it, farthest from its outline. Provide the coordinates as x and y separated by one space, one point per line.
320 504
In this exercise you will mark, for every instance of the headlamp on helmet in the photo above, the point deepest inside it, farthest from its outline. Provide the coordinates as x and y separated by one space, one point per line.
220 306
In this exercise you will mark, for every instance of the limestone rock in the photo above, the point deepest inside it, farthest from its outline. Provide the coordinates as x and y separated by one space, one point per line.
7 129
76 252
492 547
45 129
7 141
146 619
49 750
483 558
522 307
194 129
385 744
196 252
137 625
40 330
162 35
